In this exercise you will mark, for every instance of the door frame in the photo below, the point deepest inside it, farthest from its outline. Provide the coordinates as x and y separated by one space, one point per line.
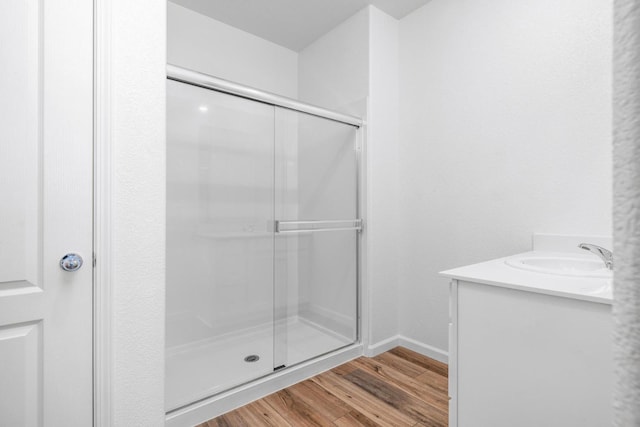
102 304
129 211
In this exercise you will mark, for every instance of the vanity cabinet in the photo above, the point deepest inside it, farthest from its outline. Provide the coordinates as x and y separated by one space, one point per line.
528 359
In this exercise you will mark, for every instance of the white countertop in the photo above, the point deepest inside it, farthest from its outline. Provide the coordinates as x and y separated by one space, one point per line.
497 273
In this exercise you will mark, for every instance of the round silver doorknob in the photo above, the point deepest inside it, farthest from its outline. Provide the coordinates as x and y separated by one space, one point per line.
71 262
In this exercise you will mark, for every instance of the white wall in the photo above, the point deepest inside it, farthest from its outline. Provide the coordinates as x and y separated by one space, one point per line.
505 131
382 177
131 128
203 44
333 71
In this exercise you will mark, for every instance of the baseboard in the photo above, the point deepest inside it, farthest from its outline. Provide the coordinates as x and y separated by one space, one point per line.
382 346
424 349
411 344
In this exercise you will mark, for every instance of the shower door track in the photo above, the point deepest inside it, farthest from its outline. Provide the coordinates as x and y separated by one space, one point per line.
195 78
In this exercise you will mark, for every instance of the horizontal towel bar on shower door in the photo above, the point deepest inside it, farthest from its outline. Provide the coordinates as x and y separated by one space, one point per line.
314 226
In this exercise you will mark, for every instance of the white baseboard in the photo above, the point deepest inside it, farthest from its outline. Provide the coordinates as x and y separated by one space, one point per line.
424 349
382 346
411 344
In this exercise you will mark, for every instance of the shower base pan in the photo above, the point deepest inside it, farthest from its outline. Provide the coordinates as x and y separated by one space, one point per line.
206 368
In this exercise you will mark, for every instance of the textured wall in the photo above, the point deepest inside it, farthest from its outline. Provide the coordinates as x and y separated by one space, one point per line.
626 211
505 130
138 210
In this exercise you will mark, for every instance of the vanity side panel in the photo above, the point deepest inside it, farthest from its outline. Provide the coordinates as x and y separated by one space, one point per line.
453 353
530 360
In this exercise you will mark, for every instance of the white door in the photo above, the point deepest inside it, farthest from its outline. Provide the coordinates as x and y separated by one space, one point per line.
46 133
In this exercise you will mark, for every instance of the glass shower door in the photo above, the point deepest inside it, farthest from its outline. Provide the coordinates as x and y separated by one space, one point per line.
316 236
262 240
220 214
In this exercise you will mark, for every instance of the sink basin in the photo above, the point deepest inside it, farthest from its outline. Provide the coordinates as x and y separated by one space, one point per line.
561 265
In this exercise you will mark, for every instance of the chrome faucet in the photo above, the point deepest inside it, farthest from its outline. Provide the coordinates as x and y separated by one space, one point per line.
604 254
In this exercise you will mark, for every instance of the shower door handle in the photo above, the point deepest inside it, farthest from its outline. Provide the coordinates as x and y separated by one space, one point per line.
283 227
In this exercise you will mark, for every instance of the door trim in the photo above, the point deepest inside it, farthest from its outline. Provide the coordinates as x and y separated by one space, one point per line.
102 304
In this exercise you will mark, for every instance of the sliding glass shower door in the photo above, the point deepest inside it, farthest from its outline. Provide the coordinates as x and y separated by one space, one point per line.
262 226
219 242
316 236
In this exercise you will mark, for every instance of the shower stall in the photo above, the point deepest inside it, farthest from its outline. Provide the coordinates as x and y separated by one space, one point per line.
263 230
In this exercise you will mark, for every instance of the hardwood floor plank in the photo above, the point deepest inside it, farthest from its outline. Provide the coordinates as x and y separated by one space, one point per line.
260 414
230 419
421 389
296 411
436 381
400 364
355 419
399 399
216 422
317 397
345 368
399 388
363 402
420 360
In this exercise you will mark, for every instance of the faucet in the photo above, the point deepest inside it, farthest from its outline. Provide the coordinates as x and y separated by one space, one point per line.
604 254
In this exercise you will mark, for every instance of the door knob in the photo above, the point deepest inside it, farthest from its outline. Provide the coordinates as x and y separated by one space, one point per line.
71 262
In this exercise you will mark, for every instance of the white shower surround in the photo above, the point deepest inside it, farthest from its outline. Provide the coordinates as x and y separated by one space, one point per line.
626 212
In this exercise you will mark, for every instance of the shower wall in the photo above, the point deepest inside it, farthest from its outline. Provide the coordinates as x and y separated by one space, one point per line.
219 200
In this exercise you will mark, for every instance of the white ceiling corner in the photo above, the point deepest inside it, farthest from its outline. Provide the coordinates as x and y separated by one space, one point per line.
293 24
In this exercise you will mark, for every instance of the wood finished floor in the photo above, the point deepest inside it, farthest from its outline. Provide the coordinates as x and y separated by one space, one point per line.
396 388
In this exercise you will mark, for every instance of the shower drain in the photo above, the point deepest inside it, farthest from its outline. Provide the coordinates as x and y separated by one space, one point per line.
252 358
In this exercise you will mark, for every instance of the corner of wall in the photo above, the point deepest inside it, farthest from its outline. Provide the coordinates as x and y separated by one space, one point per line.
333 70
382 181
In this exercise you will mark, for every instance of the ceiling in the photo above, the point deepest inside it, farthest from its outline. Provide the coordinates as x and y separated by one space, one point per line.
292 23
